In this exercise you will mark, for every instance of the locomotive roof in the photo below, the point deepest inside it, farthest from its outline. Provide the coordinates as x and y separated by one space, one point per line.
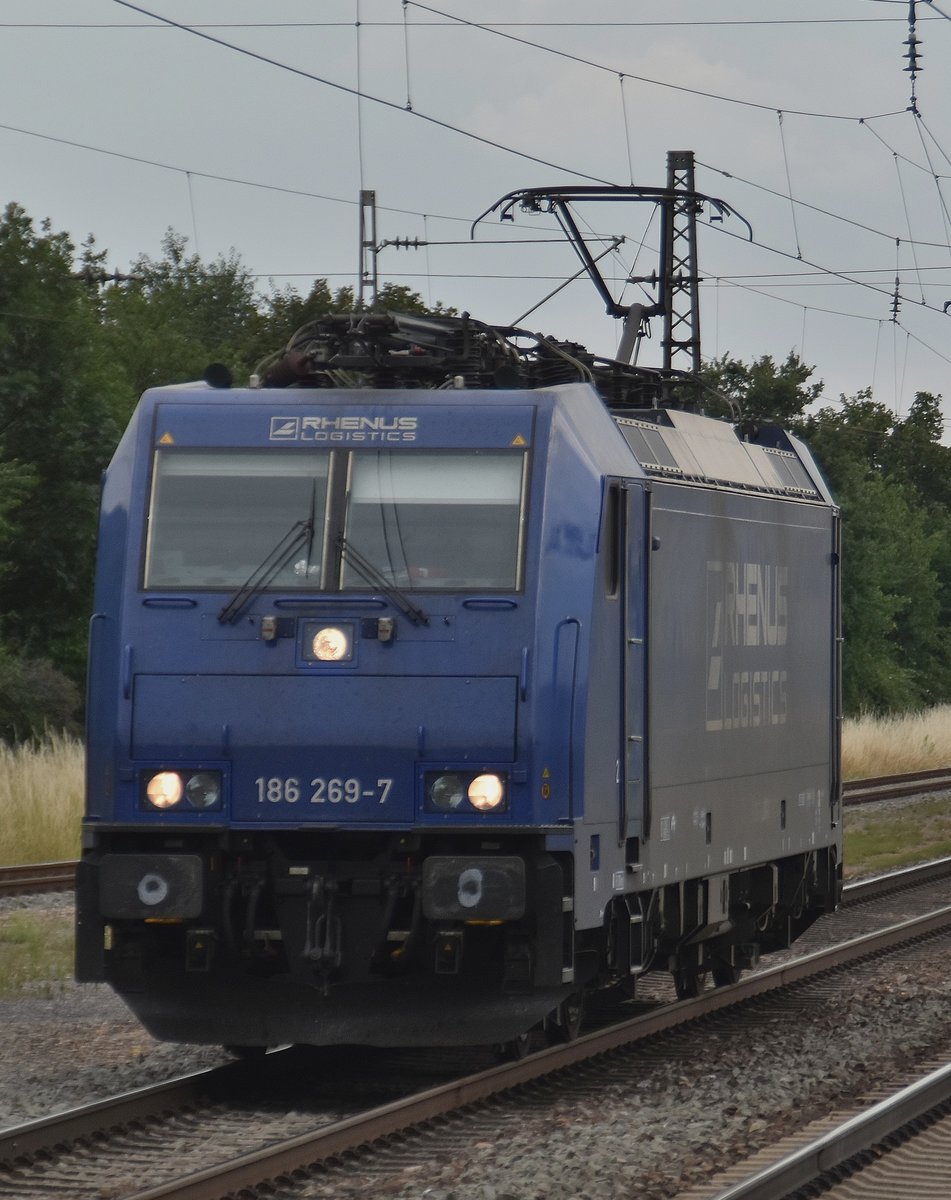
674 444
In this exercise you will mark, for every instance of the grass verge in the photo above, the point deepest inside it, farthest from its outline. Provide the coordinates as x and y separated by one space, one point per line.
877 841
36 951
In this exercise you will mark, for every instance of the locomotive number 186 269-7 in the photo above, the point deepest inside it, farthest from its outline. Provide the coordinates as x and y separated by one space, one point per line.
279 789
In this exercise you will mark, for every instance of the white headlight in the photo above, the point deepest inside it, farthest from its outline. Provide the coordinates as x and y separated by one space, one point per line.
164 790
331 644
486 792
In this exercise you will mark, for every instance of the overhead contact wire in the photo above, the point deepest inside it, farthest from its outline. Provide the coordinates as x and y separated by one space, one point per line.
342 87
792 203
359 91
409 102
627 131
663 83
914 251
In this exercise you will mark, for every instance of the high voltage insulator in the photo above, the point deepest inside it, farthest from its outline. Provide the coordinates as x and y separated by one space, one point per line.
912 53
896 300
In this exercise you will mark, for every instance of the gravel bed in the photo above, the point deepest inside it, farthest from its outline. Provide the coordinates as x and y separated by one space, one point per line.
68 1044
678 1121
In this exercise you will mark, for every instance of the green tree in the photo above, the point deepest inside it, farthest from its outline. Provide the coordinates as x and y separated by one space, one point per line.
762 391
76 351
59 419
177 314
896 550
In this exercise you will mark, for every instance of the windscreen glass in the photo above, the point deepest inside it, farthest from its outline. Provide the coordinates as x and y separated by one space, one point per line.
216 515
436 521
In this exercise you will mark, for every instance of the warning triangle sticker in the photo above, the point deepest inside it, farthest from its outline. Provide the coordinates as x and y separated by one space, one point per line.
518 440
166 440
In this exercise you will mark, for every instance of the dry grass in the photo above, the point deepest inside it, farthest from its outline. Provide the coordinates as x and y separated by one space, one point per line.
874 746
41 799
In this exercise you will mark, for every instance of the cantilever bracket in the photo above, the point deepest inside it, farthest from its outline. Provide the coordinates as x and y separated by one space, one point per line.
558 200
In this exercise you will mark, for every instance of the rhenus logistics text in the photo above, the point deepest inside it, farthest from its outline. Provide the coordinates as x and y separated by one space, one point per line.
343 429
747 617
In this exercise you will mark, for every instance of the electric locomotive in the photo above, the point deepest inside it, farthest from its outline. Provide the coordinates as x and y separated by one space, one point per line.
446 675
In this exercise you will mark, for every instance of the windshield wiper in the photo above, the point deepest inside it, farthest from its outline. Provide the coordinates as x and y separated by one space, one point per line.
364 567
301 533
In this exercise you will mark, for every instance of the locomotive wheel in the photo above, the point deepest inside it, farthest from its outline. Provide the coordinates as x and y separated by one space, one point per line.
515 1050
688 982
564 1024
725 975
247 1053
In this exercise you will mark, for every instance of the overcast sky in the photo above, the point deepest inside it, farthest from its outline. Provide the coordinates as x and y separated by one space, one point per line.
777 98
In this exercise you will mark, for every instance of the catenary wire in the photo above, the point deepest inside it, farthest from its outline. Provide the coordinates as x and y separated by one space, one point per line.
662 83
342 87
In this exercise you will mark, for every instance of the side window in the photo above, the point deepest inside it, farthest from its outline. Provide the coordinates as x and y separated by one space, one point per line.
613 525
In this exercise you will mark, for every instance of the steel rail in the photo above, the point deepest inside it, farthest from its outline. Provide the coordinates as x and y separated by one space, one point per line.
254 1169
32 878
852 1137
21 1141
895 881
886 787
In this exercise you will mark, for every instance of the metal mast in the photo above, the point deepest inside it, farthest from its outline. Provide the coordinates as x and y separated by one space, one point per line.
680 291
366 292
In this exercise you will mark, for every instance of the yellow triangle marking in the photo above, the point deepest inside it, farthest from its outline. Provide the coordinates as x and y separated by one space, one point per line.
546 774
166 440
518 440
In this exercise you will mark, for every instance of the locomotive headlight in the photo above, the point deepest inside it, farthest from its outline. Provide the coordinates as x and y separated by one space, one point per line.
331 644
462 791
447 793
164 789
486 792
203 789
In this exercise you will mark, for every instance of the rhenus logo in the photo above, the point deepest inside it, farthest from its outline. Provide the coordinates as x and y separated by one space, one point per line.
747 610
342 429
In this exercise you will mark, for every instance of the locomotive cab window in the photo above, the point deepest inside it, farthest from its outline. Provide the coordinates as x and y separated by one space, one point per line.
217 514
437 521
422 520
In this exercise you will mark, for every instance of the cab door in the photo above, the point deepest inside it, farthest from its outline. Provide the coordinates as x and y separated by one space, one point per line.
634 556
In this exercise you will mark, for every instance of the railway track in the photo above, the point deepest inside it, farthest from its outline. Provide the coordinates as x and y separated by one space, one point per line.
156 1116
889 787
867 1154
37 878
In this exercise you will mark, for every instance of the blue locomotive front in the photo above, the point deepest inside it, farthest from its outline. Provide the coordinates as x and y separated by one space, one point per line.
416 713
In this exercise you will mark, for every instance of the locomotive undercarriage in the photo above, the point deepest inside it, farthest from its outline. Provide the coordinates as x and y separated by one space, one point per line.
295 937
333 923
719 926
